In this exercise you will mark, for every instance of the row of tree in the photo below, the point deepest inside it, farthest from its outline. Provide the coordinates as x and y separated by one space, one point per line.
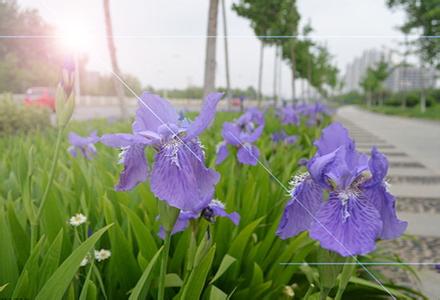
276 23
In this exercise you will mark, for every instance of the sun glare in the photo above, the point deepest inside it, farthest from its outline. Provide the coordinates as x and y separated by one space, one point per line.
74 37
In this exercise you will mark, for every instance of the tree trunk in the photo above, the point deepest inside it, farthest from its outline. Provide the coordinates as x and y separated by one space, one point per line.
211 41
260 75
225 32
280 77
293 65
119 89
422 89
309 78
275 76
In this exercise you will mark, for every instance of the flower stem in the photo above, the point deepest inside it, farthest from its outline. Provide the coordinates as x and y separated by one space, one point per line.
51 173
163 266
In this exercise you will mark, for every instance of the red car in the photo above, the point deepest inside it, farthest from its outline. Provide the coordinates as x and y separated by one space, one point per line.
40 96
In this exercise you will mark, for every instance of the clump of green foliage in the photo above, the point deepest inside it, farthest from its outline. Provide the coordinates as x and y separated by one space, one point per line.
41 260
15 117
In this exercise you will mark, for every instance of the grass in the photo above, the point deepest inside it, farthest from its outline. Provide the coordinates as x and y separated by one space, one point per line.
432 113
41 260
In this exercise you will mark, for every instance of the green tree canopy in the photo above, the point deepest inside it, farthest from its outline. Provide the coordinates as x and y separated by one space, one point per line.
423 16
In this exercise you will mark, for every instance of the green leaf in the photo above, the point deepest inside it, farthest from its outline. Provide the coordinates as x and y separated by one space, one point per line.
347 272
196 281
173 280
51 259
60 280
217 294
376 286
26 283
8 265
147 244
143 282
239 244
87 283
224 265
3 287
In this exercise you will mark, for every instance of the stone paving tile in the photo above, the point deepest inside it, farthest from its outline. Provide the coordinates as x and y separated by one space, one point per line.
418 205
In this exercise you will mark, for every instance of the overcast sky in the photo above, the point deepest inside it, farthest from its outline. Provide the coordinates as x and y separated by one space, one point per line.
161 41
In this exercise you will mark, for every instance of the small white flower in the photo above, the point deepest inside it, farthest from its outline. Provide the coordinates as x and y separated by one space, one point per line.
102 254
85 261
77 220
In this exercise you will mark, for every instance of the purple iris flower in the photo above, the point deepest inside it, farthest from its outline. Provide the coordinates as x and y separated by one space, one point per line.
84 145
289 115
179 175
241 134
282 136
209 212
359 208
314 112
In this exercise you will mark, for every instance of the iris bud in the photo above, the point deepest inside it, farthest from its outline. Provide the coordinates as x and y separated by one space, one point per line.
64 97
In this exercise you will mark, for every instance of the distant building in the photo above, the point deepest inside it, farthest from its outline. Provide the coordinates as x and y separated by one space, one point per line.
407 78
356 70
401 78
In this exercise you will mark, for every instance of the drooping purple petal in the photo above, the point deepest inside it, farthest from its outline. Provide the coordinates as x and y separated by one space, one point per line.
222 153
248 154
181 224
385 204
218 209
300 211
84 145
348 226
205 117
153 111
180 178
135 167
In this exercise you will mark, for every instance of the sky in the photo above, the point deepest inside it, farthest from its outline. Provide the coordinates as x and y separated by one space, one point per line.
162 42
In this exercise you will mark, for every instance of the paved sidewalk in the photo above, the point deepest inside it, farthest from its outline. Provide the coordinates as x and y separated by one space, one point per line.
419 138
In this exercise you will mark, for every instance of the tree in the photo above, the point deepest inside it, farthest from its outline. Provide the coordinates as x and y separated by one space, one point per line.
372 82
119 89
423 16
262 15
26 62
211 41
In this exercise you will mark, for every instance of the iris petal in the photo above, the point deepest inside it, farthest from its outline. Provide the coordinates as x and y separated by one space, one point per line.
248 154
222 153
333 137
349 228
135 167
386 205
300 210
205 117
153 111
180 177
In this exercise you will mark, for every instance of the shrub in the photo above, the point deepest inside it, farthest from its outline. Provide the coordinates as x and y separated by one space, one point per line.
15 118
